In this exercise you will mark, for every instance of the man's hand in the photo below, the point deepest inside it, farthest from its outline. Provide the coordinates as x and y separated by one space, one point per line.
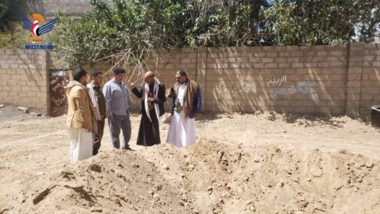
197 115
151 99
110 118
133 85
89 129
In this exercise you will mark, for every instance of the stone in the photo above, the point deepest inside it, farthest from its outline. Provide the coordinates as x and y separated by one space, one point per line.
95 168
209 190
164 166
36 114
96 209
316 172
24 109
156 197
41 196
369 164
75 186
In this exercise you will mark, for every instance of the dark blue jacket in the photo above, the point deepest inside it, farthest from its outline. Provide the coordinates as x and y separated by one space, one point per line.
197 103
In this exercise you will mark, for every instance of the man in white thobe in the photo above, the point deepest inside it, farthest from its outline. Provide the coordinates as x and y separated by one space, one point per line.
187 104
80 119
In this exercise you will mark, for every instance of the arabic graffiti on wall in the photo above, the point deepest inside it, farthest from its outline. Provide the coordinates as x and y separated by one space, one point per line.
278 81
282 91
303 87
58 100
308 88
243 88
300 87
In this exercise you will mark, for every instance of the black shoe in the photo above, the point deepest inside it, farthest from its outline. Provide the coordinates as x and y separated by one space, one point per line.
127 148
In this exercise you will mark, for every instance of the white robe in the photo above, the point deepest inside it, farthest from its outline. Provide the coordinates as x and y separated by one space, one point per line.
80 144
181 133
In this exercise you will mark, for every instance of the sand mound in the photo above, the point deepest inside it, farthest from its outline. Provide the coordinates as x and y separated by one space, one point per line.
210 177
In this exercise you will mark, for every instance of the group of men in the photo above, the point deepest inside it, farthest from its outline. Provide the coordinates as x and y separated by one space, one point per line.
90 105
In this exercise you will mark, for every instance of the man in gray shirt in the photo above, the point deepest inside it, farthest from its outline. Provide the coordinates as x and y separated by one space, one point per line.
119 107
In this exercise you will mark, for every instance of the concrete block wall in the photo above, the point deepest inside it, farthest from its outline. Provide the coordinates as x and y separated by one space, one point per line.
23 79
306 80
370 73
321 80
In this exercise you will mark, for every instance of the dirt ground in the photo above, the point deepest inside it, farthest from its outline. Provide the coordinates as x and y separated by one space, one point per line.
240 164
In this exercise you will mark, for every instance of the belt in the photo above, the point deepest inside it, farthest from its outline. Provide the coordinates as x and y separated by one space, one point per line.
178 109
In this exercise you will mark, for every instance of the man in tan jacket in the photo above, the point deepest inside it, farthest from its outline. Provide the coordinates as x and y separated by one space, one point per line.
80 117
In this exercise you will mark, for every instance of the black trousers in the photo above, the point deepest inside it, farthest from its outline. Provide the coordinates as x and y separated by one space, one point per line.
97 138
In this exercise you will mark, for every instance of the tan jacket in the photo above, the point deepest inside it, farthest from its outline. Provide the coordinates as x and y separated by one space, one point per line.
79 114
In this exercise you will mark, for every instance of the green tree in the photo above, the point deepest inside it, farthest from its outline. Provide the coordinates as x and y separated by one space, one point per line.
5 9
320 22
126 33
132 30
17 38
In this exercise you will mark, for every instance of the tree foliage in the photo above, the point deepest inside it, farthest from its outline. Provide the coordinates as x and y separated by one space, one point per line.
321 22
127 32
142 26
5 9
17 38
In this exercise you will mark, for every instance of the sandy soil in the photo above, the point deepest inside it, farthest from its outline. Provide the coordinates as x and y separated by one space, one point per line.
241 164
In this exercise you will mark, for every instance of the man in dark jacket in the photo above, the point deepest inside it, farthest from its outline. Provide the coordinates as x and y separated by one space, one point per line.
187 104
153 97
